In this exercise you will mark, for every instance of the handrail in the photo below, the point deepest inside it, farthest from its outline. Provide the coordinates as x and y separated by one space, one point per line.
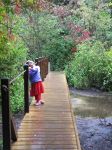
17 77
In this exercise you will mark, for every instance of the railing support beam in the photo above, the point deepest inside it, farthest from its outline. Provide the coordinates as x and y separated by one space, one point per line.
6 122
26 89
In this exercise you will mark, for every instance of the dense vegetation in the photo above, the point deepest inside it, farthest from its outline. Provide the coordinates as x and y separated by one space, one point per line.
94 69
91 65
76 36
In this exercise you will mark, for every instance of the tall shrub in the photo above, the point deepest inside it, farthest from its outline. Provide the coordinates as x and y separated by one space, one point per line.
90 67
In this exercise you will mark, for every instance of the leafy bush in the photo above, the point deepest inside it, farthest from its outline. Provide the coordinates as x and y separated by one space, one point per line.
59 53
91 67
17 96
12 64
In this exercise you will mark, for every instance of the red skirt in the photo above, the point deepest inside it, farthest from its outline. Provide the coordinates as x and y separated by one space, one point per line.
36 88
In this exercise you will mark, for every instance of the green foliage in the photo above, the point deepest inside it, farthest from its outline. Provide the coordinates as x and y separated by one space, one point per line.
6 2
109 52
32 32
48 40
11 61
91 67
17 96
13 53
59 53
11 66
4 46
53 44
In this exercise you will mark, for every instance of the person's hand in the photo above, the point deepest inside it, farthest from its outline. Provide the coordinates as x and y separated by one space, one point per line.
29 68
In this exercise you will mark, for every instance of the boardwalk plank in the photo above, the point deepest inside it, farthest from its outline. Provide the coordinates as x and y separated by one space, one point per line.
50 126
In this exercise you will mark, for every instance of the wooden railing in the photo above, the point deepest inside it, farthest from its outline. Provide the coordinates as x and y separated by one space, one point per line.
8 127
43 63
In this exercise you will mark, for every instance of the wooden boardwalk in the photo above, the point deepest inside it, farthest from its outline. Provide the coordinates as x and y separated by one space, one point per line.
50 126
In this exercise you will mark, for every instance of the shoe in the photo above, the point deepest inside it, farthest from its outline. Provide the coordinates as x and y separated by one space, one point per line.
38 103
42 102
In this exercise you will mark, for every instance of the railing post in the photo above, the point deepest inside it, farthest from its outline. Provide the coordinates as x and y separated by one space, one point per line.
42 68
38 62
13 130
6 114
43 63
46 64
26 89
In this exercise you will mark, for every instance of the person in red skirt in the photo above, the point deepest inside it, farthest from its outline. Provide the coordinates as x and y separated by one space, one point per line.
36 82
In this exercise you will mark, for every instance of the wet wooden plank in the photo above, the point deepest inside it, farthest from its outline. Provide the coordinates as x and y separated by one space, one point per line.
44 147
50 126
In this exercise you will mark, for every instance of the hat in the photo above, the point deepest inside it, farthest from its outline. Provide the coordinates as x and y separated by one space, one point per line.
30 62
